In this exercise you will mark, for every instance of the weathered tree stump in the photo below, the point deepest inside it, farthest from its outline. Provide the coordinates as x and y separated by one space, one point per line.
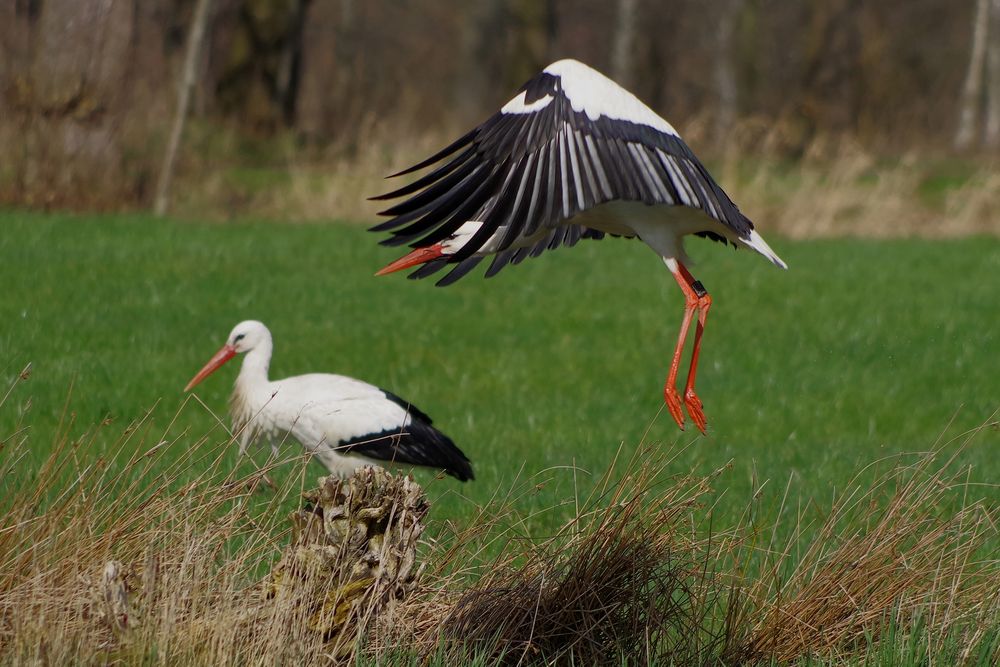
353 553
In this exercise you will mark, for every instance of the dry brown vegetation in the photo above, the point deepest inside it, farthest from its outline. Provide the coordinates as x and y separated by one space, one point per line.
840 188
162 555
643 572
837 187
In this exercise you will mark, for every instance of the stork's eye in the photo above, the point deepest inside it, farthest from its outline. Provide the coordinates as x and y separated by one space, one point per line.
239 337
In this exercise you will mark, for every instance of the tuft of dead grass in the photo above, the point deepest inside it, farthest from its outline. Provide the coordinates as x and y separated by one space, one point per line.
622 578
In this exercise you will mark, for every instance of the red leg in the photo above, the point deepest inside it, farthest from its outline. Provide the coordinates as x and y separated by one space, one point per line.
670 394
691 400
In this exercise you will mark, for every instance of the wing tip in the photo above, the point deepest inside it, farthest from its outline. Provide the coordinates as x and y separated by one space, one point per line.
464 475
757 242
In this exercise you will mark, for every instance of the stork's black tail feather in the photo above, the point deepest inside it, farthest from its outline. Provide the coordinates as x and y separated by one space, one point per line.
417 443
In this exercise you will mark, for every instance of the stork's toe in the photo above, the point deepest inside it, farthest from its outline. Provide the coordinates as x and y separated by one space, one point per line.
673 401
695 411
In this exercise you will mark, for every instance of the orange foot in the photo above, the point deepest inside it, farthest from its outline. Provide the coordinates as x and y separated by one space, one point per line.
695 411
673 400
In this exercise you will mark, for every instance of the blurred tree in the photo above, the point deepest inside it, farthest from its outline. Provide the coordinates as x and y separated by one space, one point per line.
831 83
327 35
526 43
70 95
481 57
255 58
725 74
622 49
972 90
991 132
87 85
187 82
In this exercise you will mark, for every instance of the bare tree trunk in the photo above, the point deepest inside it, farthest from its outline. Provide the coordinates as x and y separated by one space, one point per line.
624 42
329 73
551 30
73 97
195 39
991 134
972 90
483 57
725 77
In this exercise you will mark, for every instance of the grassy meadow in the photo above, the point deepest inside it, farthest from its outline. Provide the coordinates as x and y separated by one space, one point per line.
862 351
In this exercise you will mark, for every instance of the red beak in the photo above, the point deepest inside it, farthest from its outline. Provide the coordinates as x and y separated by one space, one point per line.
418 256
226 353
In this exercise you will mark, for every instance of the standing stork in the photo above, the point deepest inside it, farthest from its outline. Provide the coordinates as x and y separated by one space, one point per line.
573 155
345 423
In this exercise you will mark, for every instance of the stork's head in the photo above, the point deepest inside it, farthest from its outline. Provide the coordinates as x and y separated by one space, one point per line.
245 336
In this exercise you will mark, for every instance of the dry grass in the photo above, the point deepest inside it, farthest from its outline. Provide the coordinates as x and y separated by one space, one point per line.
109 561
642 574
299 183
836 186
839 189
622 578
104 560
894 552
162 556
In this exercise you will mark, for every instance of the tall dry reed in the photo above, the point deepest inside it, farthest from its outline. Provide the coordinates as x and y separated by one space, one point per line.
158 552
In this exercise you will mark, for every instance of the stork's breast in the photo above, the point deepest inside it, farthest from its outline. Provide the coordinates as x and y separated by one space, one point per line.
626 218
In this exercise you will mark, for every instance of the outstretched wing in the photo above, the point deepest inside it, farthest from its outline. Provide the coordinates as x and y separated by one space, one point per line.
571 139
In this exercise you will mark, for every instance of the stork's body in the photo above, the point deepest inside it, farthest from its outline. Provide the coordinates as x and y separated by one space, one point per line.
343 422
572 155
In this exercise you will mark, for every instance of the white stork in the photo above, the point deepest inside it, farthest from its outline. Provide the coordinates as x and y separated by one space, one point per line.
573 155
345 423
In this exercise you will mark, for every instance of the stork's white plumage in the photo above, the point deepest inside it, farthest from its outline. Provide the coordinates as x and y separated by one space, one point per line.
343 422
571 156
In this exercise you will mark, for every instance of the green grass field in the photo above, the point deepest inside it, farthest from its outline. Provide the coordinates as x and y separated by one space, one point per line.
861 350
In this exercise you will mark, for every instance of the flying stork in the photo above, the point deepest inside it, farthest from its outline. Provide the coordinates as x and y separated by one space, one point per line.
345 423
572 155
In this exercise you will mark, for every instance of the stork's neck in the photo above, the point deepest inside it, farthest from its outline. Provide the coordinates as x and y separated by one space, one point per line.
255 365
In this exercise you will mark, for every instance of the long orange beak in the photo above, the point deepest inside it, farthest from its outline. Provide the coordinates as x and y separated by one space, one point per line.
418 256
226 353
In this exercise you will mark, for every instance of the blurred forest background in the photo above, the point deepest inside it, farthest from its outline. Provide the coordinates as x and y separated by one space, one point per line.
889 109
